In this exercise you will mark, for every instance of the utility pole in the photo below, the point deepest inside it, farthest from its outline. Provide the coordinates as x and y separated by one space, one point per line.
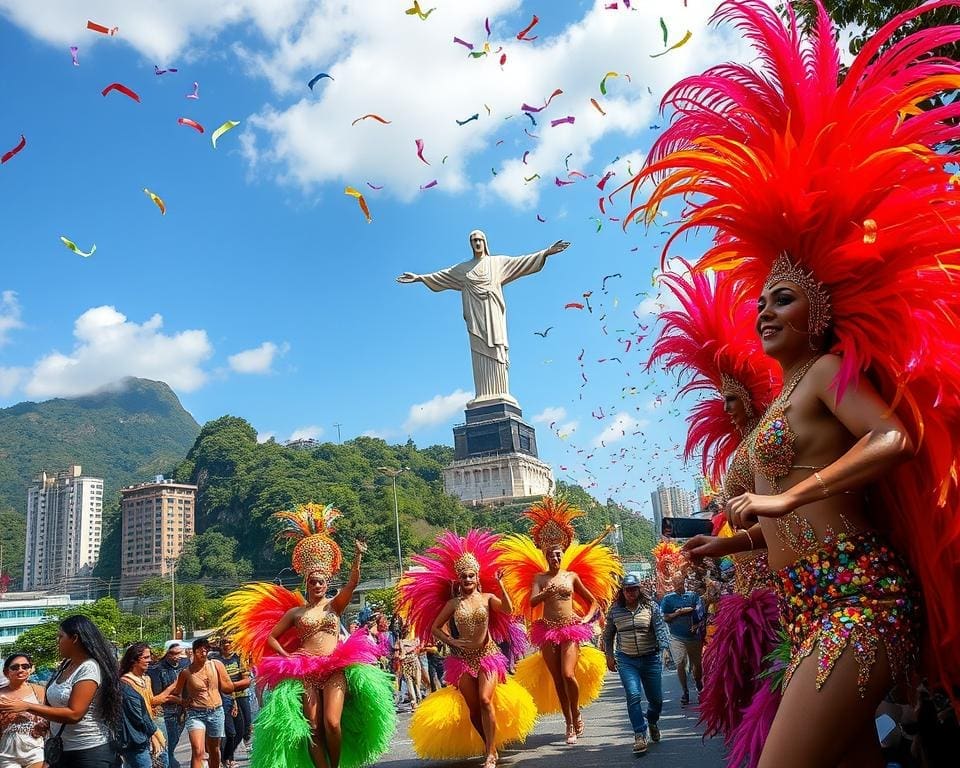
338 425
173 598
392 473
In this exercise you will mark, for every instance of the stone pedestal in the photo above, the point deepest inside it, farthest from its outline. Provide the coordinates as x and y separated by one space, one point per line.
495 456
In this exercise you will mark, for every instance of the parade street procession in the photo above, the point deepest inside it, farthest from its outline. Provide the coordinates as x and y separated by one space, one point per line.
759 292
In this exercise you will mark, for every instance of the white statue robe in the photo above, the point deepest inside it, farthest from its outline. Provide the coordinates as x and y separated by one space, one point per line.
480 282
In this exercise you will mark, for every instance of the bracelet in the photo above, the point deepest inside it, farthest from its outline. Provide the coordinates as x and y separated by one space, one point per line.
823 485
749 538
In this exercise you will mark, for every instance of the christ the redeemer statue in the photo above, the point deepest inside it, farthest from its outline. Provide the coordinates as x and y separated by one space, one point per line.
480 282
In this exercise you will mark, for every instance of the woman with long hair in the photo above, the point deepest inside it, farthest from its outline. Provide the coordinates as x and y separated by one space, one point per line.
328 705
21 733
82 698
558 585
144 743
634 638
459 582
834 211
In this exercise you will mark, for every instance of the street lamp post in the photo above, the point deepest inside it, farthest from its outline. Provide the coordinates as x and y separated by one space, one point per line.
393 473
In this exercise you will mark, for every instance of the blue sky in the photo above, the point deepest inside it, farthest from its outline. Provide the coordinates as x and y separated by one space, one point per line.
263 292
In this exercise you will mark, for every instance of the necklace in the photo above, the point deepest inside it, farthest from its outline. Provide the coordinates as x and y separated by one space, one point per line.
795 379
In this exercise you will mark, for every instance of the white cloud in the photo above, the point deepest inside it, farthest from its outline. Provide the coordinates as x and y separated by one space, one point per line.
664 300
257 360
567 428
622 426
10 378
109 347
549 414
381 434
436 410
9 315
311 432
265 437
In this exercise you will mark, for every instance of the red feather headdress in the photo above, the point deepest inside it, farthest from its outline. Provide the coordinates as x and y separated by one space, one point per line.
842 174
712 339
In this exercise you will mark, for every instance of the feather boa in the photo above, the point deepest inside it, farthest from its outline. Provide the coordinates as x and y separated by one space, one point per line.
356 649
541 632
493 665
750 734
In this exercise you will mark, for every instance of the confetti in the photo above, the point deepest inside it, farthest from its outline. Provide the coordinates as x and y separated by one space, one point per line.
663 28
7 155
464 43
428 185
316 78
522 34
120 88
527 108
419 143
415 11
569 119
532 118
94 27
524 158
541 219
603 182
360 201
73 247
560 183
156 199
528 179
573 305
374 186
597 106
543 333
486 25
73 55
372 117
683 41
229 125
474 116
192 123
196 91
157 71
603 83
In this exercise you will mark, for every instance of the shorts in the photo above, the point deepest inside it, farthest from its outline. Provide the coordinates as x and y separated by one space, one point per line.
18 750
210 720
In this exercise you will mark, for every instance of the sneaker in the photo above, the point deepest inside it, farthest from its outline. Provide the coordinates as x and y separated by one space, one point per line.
639 744
654 732
685 699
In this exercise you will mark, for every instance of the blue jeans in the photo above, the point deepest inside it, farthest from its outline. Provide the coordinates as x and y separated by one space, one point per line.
644 672
173 726
138 757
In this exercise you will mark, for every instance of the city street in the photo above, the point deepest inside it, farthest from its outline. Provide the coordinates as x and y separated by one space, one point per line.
607 741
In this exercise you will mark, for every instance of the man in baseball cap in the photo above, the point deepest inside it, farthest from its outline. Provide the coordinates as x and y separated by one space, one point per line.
162 675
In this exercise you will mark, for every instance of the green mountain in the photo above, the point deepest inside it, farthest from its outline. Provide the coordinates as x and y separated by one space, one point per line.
242 482
125 434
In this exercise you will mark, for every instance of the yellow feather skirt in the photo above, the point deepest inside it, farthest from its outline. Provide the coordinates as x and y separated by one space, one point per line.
441 729
532 674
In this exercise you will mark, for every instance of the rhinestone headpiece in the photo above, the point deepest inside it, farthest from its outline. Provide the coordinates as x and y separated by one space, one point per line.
817 296
466 562
730 385
316 554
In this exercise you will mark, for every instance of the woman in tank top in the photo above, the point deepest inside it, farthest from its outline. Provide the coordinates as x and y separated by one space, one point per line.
21 733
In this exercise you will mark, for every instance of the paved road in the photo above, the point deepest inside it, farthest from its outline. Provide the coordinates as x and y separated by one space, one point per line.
607 742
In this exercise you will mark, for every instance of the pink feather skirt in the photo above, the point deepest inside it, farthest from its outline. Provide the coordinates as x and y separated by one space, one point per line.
488 660
356 649
543 631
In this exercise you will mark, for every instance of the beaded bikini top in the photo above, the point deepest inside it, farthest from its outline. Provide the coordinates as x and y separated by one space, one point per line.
739 475
468 619
771 444
308 626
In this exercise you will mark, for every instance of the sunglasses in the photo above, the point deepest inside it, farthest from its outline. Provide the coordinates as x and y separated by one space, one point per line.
17 667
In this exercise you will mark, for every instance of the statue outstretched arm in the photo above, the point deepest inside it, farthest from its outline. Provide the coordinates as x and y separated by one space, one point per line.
519 266
444 280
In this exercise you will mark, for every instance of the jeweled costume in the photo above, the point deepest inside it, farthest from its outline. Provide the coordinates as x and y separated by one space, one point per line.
599 570
440 728
712 342
833 180
282 731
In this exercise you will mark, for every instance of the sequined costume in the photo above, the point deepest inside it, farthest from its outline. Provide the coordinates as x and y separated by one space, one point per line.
833 177
441 728
597 567
282 729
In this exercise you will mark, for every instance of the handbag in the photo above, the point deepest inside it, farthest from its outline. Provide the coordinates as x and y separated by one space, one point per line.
53 749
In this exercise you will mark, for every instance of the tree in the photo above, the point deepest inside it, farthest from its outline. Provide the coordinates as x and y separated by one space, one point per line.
383 600
212 557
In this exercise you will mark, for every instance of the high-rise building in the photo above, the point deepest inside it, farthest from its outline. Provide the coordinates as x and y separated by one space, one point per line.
669 501
64 525
157 521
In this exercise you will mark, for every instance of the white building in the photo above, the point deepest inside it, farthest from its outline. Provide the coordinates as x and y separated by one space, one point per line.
19 611
64 524
669 501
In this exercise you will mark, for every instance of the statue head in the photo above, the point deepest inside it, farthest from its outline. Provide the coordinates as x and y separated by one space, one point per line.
478 244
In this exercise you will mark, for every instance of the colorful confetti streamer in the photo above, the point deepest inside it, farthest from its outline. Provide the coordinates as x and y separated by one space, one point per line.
419 143
363 203
603 182
597 106
569 119
7 155
73 247
464 43
157 71
192 123
374 186
94 27
683 41
316 78
156 199
428 185
603 83
474 116
196 91
73 55
522 34
416 11
371 116
229 125
663 28
527 108
120 88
